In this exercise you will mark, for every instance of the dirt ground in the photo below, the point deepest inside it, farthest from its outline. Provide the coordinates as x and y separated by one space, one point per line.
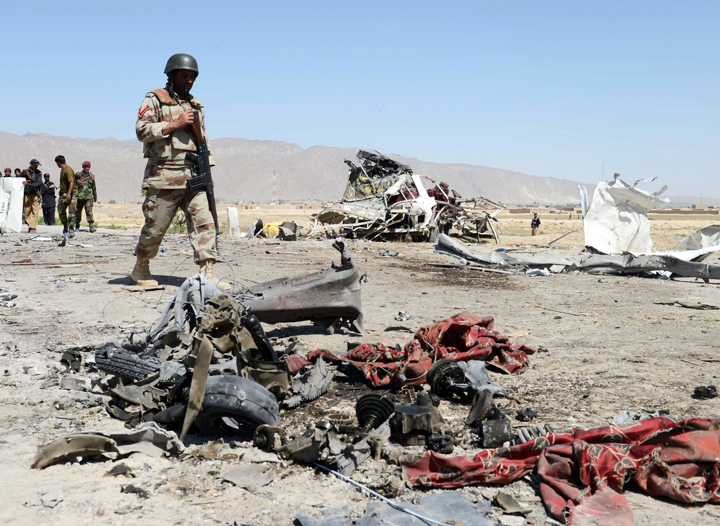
607 347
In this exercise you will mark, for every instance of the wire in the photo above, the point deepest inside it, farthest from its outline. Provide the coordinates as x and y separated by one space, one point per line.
385 499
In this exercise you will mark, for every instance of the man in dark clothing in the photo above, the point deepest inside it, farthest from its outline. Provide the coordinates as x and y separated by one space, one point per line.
33 187
535 224
48 201
18 172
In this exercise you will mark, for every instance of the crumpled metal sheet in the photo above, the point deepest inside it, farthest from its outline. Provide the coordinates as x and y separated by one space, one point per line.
593 263
448 507
310 385
148 438
616 221
707 236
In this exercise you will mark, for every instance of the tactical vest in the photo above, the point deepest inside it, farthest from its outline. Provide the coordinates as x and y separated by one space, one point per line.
180 141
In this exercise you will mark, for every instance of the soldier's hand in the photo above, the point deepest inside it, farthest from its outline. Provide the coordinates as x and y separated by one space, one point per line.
67 197
25 183
186 118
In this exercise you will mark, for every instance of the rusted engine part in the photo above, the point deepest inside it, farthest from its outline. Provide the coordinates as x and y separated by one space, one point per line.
309 385
329 297
414 425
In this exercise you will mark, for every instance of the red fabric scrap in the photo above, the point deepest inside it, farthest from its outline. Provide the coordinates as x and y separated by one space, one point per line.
462 337
582 473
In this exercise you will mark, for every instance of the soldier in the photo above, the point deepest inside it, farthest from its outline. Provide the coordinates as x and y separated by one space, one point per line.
162 124
33 184
48 200
86 195
68 197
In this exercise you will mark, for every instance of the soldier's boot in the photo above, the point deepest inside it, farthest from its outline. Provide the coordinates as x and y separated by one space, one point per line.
92 227
65 229
71 233
141 273
207 267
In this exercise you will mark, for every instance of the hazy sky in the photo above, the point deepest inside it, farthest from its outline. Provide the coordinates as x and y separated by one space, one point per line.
546 88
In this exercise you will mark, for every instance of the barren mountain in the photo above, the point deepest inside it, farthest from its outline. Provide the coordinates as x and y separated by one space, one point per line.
245 167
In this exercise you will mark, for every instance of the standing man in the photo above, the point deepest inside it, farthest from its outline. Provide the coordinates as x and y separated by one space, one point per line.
535 224
67 200
48 200
86 195
162 127
18 172
8 172
33 185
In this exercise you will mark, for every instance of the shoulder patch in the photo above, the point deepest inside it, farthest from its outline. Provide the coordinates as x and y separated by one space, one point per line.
163 96
142 111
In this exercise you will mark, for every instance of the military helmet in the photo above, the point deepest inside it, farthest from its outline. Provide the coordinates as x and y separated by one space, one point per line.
181 61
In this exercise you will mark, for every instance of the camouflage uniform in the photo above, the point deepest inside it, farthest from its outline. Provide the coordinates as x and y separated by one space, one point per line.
67 210
86 195
166 173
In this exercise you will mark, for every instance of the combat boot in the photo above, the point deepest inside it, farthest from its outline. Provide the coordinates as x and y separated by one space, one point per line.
141 273
71 233
92 227
207 267
65 229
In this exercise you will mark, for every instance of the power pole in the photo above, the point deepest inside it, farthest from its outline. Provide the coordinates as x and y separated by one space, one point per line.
274 198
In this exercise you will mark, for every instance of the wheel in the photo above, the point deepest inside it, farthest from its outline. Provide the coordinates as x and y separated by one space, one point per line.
118 361
443 375
236 406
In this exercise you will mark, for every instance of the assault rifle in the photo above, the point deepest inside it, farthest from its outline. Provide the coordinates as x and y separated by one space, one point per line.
203 181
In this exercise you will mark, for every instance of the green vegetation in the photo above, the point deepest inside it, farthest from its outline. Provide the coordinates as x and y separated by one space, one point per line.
41 221
178 225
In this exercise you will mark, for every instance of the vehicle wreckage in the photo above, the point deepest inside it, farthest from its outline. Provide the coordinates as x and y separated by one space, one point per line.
385 200
617 241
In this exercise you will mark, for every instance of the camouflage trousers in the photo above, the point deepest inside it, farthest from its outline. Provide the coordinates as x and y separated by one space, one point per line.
67 210
87 205
159 209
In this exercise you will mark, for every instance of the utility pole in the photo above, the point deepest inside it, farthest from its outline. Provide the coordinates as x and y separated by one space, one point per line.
274 198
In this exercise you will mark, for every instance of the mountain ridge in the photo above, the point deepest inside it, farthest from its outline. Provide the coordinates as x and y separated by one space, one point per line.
244 169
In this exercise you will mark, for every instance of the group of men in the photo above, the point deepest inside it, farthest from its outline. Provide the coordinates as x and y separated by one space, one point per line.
78 191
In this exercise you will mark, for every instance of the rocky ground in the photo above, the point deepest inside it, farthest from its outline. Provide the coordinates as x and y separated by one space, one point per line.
607 347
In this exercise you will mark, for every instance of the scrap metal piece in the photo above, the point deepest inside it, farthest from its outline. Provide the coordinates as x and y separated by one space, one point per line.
703 392
72 446
444 376
332 295
443 444
359 452
510 505
414 424
373 409
267 438
310 385
251 477
480 408
496 432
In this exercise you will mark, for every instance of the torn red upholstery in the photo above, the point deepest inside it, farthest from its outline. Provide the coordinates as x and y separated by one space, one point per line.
582 473
462 337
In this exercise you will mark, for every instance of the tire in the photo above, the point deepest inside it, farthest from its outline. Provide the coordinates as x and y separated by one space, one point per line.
124 363
236 406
